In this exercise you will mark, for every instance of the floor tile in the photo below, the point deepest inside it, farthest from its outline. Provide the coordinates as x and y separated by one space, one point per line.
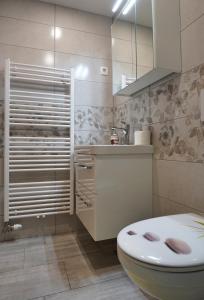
92 268
34 282
11 260
21 243
119 289
60 247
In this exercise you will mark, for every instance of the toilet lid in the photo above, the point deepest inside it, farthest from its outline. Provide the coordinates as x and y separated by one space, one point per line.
172 241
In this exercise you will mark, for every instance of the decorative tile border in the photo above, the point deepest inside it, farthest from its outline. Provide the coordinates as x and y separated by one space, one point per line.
92 137
93 118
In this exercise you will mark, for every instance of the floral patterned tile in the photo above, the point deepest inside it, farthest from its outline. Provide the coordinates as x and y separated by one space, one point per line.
177 97
88 137
139 110
93 118
121 114
181 139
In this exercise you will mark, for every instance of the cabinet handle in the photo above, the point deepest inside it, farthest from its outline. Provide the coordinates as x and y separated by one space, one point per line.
85 167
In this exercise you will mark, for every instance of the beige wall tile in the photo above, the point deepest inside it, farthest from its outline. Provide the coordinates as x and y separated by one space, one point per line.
181 182
86 68
25 55
122 50
190 11
163 206
83 21
82 43
26 34
122 30
29 10
192 42
144 55
144 35
93 93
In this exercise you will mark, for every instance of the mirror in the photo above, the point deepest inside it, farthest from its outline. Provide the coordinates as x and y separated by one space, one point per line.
132 44
144 37
124 49
140 53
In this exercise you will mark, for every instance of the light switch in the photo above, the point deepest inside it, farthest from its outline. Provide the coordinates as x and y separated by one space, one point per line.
202 104
104 71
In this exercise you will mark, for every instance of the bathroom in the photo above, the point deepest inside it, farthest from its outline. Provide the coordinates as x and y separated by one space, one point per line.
139 136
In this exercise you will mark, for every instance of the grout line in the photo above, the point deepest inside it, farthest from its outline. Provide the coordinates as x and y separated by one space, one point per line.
70 53
182 204
51 25
66 274
92 130
187 26
96 106
26 20
57 52
179 161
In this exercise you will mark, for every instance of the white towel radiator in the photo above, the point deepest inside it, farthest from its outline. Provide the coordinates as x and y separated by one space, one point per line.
38 141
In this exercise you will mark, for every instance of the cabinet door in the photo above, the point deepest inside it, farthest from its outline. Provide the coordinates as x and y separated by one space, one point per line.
142 35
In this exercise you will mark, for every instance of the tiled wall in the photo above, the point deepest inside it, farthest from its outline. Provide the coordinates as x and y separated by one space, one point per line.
172 108
80 40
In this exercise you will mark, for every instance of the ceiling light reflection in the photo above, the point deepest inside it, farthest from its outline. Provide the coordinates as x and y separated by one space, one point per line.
116 5
56 33
81 72
128 7
49 59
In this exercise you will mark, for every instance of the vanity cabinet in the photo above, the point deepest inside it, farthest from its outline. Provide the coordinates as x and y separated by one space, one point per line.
146 44
113 187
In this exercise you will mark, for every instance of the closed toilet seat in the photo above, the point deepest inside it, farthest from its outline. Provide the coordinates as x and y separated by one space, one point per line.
167 244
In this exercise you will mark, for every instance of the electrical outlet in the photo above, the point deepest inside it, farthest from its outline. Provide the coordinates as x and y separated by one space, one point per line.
104 71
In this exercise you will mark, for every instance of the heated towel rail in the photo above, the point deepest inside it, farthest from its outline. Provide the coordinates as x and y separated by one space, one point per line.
38 141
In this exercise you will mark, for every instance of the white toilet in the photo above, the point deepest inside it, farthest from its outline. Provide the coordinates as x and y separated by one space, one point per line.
165 256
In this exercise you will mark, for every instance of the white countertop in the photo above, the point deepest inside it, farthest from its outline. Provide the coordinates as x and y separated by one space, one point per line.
114 149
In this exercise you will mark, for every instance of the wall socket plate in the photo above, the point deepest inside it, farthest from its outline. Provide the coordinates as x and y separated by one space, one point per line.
202 105
104 71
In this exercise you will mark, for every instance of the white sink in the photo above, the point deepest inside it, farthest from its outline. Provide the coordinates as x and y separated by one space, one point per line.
114 149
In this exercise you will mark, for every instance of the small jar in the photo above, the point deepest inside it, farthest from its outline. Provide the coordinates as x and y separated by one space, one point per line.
114 137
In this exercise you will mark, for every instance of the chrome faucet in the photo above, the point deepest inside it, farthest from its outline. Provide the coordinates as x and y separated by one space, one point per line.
126 133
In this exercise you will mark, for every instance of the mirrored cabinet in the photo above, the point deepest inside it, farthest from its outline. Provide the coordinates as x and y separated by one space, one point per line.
145 44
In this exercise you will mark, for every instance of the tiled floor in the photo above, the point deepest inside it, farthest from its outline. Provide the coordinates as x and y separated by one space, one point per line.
71 267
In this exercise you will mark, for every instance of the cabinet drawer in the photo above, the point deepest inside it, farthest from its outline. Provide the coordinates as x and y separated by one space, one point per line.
84 171
85 191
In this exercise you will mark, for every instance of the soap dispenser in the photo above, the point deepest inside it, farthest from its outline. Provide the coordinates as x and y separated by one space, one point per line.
114 137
